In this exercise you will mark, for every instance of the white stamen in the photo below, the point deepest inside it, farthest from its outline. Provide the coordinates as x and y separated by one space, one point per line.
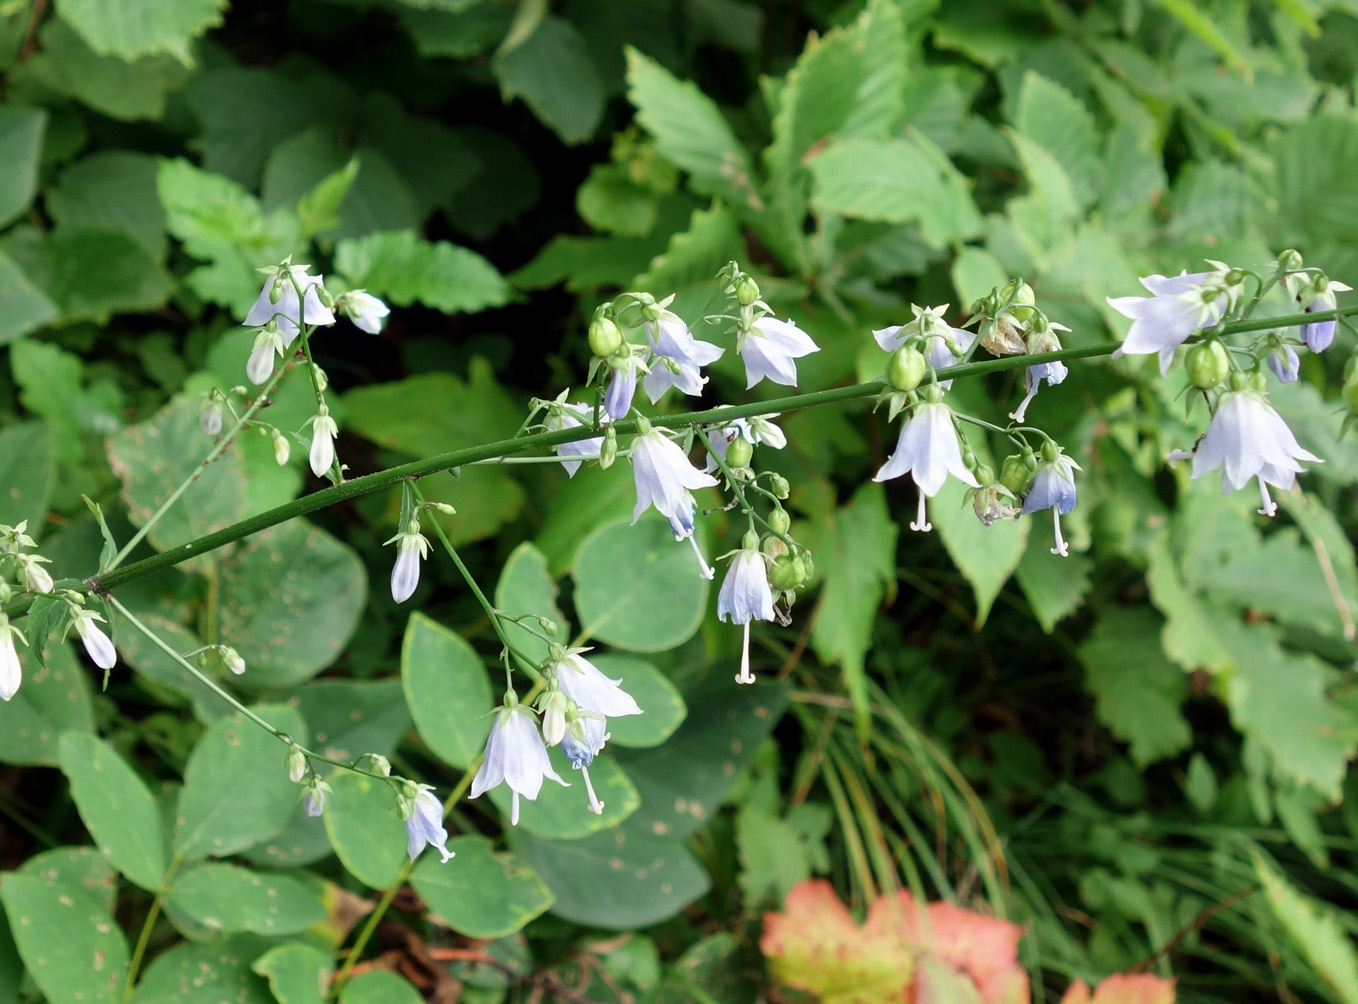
595 806
707 571
921 523
1270 507
514 811
1018 413
1175 455
745 676
1061 548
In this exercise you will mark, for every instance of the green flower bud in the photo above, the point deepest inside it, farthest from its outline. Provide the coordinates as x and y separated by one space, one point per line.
747 291
808 566
783 574
906 368
1350 392
604 337
780 520
609 451
1022 305
1290 260
779 486
1258 381
1208 364
739 452
772 546
1015 476
750 541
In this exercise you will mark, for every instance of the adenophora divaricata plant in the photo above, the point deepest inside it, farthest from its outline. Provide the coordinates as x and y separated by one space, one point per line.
689 465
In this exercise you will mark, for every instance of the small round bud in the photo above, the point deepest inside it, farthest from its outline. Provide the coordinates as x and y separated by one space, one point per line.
747 291
231 659
276 290
297 764
1290 260
379 764
1015 475
548 625
783 574
1257 381
780 520
1208 364
609 451
906 368
739 452
604 337
968 456
280 449
1235 277
443 507
1022 305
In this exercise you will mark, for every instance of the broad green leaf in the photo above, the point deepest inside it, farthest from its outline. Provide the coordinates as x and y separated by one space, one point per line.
53 698
83 868
400 267
23 307
719 966
1201 24
92 272
1051 206
152 662
11 965
1315 930
1135 175
447 690
481 893
662 707
459 34
116 190
1190 635
303 842
691 132
593 499
365 829
116 807
616 880
297 973
637 588
695 255
1059 123
291 597
855 553
131 28
553 71
985 555
70 945
561 812
53 385
1212 201
211 973
1316 180
155 457
347 718
236 789
21 131
1055 589
525 587
379 987
609 200
228 898
1139 691
684 780
977 273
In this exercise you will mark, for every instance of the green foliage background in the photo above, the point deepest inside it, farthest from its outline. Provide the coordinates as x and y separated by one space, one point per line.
1140 753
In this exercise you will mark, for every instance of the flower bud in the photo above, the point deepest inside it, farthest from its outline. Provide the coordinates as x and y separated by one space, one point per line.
750 541
1015 475
231 659
783 574
1208 364
906 368
779 520
379 764
281 449
779 486
772 546
210 418
739 452
442 507
549 626
604 337
609 451
1350 392
1022 304
1290 260
747 291
808 566
297 765
1257 381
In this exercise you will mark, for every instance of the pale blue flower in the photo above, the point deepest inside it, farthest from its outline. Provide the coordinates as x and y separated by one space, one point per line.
756 431
769 348
622 387
586 685
1180 306
581 744
515 755
575 416
928 449
662 472
1319 335
1053 488
1285 363
1248 439
97 644
286 311
679 357
364 309
745 596
939 338
424 826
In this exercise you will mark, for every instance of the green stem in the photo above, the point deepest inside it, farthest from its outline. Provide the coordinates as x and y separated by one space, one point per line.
134 967
379 480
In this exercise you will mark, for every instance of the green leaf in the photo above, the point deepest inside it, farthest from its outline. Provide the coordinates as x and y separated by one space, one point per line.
23 307
318 210
855 554
976 273
217 971
236 790
27 469
116 807
1315 180
636 587
112 190
526 587
561 812
695 255
71 946
81 868
684 780
1197 21
347 718
1051 205
482 893
1190 636
297 973
365 828
447 690
553 72
131 28
611 201
1139 691
52 385
291 597
985 555
402 268
663 709
1213 202
152 662
1315 930
578 506
155 457
91 273
378 987
691 132
54 698
1055 589
1059 123
719 966
616 880
456 35
21 131
228 898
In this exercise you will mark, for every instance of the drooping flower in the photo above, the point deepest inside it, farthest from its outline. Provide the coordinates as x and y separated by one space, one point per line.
11 673
928 449
1247 439
97 644
682 526
364 309
662 471
1043 340
210 418
755 431
745 596
313 800
584 738
1053 488
288 311
1179 306
411 548
1318 335
574 416
32 575
940 338
678 357
622 387
1285 363
424 825
584 683
323 433
268 344
769 348
515 755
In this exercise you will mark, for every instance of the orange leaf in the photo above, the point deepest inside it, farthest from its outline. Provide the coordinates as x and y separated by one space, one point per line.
1123 988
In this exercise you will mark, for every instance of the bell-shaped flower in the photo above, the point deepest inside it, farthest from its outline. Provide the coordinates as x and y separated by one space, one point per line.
287 310
364 309
768 349
32 576
11 674
1179 306
1053 488
1054 373
574 416
622 387
1284 362
584 683
584 738
210 416
323 433
313 801
268 345
424 825
678 357
1248 440
745 596
1317 295
662 472
929 450
97 644
940 338
411 548
515 755
756 431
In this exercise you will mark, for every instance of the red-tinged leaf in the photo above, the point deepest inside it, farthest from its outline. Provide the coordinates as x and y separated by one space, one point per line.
815 945
936 982
1123 988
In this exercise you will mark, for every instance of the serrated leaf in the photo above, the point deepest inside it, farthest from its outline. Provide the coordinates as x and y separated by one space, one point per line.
985 555
695 255
1315 931
1316 180
400 267
553 71
611 201
132 28
1055 589
91 273
21 132
1059 123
